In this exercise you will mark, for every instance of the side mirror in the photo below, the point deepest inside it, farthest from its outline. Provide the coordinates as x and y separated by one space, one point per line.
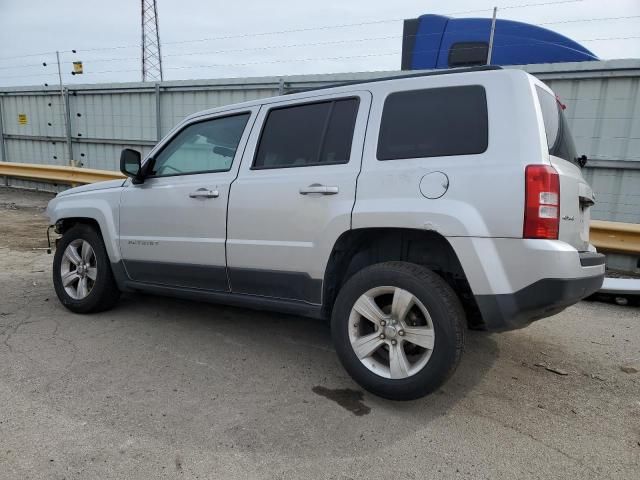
130 165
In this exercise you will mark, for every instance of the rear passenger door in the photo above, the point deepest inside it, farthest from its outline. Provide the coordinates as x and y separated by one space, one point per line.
294 194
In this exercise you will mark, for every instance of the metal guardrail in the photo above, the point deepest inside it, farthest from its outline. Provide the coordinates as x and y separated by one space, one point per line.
606 236
615 236
56 173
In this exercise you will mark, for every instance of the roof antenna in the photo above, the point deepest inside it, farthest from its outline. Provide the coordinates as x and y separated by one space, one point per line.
493 31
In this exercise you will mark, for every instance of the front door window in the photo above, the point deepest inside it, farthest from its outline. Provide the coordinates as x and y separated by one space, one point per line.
202 147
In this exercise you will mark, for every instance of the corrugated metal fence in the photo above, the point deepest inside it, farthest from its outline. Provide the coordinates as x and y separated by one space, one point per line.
603 107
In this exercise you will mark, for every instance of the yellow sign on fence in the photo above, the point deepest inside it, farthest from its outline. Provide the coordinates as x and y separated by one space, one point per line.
22 118
77 68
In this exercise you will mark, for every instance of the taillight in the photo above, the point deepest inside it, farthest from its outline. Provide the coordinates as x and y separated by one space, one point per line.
542 202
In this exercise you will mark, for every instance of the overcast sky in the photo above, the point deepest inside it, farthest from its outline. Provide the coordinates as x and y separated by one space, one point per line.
106 35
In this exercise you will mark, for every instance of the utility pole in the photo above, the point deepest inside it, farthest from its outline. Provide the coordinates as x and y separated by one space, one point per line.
60 74
64 101
151 56
493 31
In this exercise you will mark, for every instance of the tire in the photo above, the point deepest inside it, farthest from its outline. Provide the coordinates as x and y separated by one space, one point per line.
402 379
101 292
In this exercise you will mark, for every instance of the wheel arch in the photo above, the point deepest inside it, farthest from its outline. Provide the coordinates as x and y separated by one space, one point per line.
64 224
359 248
105 226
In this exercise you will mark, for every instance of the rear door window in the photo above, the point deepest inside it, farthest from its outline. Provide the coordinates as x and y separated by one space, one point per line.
304 135
559 138
434 122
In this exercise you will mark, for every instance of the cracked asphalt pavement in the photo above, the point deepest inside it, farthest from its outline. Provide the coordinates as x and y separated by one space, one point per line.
165 388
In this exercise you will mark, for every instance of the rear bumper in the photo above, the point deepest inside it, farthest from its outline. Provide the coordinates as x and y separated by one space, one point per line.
517 281
541 299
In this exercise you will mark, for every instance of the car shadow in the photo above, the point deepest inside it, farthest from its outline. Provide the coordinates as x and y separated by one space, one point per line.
259 365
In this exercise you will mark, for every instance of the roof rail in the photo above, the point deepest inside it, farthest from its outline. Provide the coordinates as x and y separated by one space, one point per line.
480 68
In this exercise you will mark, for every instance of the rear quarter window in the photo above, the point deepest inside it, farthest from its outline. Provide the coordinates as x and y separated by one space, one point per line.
550 115
434 122
559 138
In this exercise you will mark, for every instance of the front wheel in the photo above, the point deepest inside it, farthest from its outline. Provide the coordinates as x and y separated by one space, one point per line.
398 329
82 275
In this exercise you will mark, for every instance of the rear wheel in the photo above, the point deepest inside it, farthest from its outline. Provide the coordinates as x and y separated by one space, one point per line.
82 274
398 329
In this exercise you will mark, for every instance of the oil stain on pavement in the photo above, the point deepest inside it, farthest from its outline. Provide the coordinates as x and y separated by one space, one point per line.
346 398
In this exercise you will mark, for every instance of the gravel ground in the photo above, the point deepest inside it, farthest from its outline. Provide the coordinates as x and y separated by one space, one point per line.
163 388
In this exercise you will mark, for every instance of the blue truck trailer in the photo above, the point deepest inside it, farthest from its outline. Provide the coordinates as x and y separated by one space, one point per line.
436 41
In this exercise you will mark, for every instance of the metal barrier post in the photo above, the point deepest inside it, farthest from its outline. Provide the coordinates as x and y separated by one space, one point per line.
3 150
158 118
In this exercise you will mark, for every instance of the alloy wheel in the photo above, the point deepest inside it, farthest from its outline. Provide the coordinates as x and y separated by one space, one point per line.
391 332
78 269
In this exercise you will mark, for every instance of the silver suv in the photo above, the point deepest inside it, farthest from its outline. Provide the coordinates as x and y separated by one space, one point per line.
404 209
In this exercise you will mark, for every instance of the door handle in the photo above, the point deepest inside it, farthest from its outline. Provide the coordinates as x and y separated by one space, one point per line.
321 189
204 193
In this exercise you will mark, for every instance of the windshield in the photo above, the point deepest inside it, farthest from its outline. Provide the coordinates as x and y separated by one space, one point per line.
559 139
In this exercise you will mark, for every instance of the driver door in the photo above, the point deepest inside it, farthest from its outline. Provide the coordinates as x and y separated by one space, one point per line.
173 226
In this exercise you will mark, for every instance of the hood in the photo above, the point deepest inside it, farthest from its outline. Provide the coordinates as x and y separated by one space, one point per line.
93 186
